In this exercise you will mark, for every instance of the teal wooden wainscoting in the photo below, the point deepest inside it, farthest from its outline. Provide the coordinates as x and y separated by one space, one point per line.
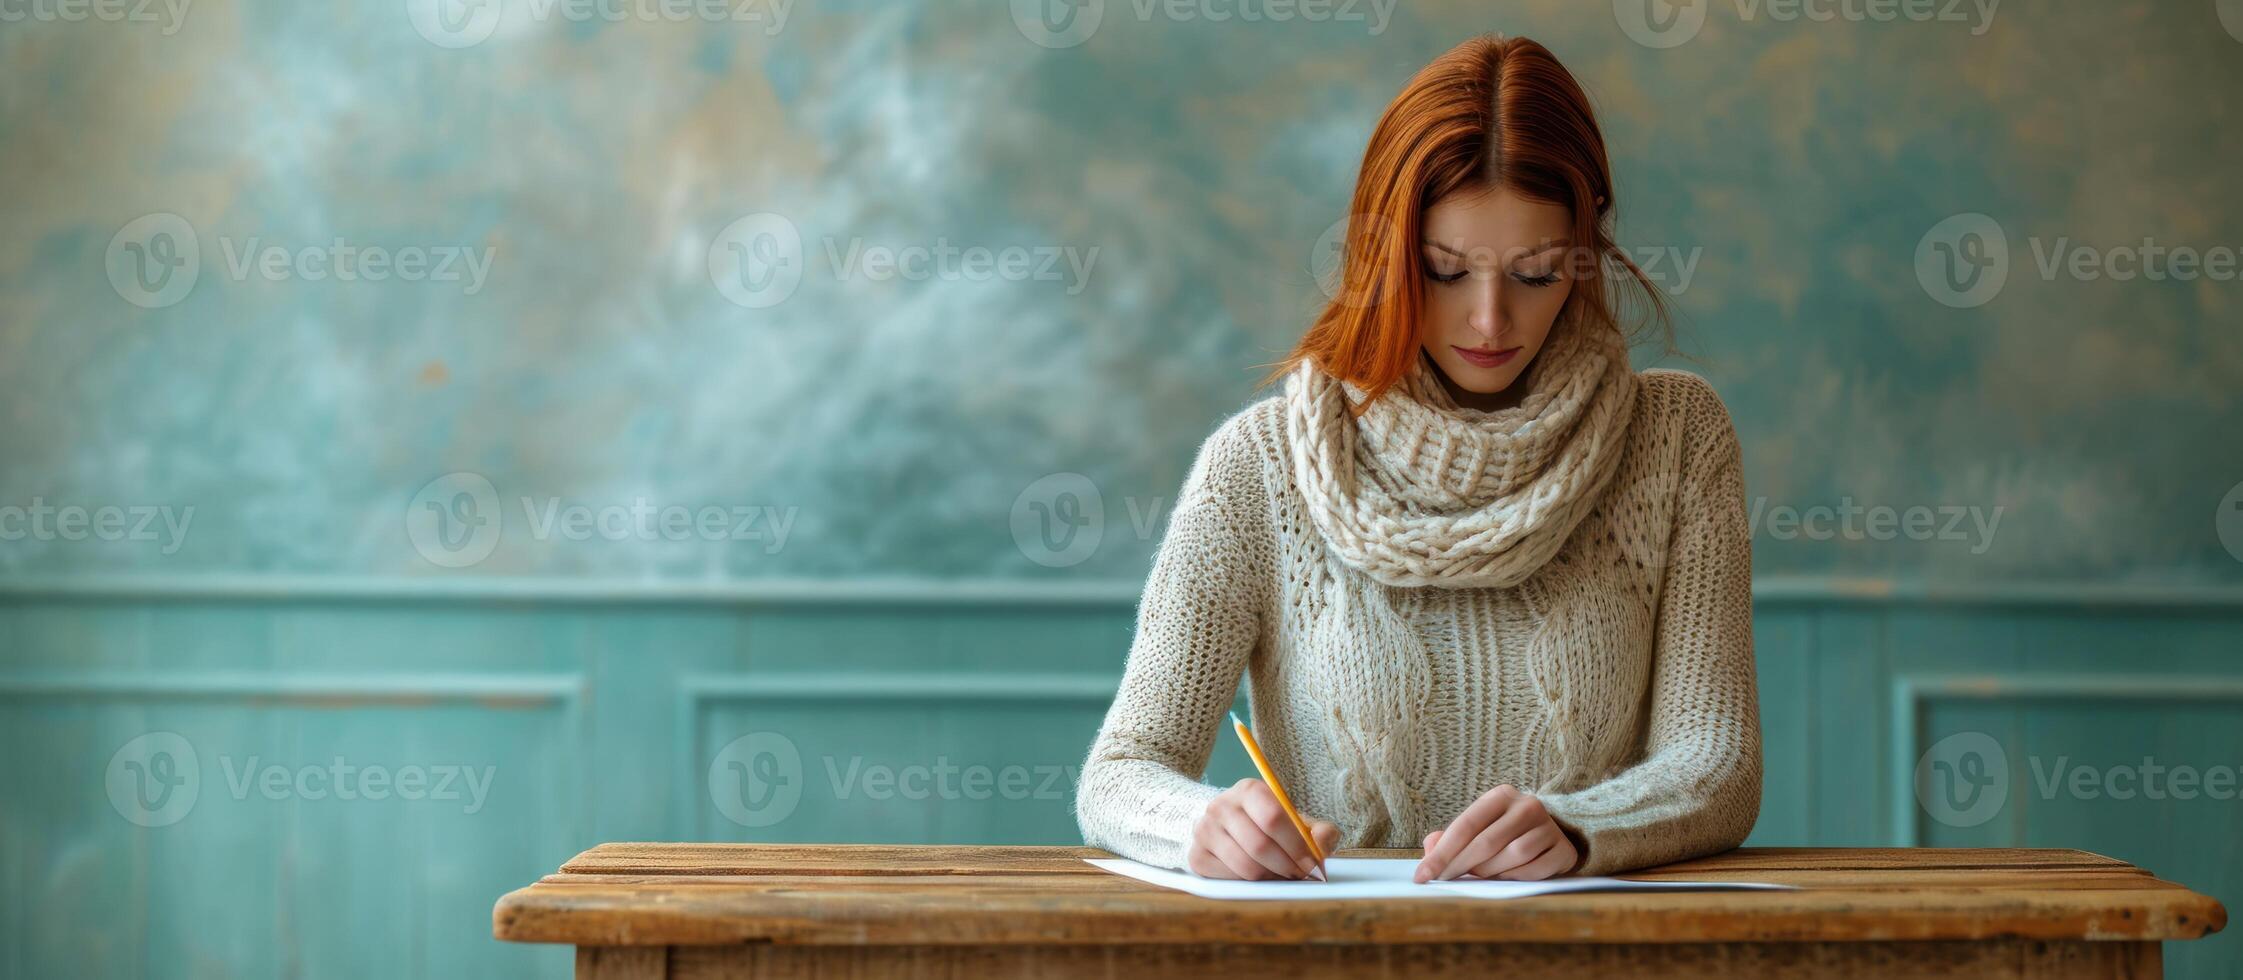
191 788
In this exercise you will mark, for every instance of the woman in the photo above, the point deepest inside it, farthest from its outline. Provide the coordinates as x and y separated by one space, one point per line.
1491 587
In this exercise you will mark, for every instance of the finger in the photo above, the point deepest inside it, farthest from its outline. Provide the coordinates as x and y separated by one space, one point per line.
1241 865
1205 858
1462 830
1554 861
1327 836
1453 838
1267 814
1201 861
1522 816
1258 845
1528 846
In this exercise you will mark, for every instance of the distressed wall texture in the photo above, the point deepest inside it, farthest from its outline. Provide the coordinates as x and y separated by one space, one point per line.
1160 187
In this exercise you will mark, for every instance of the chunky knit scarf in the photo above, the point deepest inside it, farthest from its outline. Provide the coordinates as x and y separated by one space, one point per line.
1420 492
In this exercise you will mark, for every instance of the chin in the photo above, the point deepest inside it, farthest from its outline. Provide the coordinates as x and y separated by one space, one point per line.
1478 380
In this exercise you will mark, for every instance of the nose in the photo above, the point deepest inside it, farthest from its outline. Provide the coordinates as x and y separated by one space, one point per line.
1485 314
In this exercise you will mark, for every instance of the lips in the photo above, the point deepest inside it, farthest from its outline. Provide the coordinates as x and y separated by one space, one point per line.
1480 357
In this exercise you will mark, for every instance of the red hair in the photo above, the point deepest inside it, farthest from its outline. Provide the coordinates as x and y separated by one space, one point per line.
1492 112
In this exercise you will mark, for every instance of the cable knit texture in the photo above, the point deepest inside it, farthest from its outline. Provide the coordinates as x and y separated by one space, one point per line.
1428 601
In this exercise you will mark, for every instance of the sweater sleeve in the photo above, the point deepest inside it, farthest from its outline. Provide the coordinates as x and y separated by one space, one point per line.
1696 791
1197 624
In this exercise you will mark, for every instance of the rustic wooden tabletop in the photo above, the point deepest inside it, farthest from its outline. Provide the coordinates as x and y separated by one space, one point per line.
778 896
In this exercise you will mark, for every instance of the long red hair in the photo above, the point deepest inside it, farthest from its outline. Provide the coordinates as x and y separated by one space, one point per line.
1492 112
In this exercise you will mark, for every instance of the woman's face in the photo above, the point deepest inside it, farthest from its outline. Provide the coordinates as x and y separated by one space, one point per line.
1496 276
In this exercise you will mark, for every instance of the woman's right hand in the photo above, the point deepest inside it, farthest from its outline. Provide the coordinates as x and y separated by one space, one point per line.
1245 834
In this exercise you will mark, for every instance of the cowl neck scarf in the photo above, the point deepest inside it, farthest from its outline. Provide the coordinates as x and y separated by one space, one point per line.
1418 491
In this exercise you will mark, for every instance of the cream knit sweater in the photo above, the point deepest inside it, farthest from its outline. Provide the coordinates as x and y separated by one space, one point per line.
1430 601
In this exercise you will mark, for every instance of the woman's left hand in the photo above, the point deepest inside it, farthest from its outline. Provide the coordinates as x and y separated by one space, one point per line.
1506 834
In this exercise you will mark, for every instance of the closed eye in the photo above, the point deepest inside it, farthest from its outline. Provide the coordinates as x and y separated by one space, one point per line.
1545 279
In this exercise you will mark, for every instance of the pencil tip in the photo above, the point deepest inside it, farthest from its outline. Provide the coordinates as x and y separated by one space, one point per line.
1235 721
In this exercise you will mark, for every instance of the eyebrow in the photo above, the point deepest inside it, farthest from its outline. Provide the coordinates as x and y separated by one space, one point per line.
1554 245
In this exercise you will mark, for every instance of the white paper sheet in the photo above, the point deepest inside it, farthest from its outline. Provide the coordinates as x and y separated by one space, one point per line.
1390 878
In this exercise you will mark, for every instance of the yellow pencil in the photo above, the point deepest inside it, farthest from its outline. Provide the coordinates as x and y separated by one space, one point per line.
1276 788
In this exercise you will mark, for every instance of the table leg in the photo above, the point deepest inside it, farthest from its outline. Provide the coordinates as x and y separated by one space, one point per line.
622 962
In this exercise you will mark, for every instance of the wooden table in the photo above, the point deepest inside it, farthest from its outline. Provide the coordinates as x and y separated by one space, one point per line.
740 910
